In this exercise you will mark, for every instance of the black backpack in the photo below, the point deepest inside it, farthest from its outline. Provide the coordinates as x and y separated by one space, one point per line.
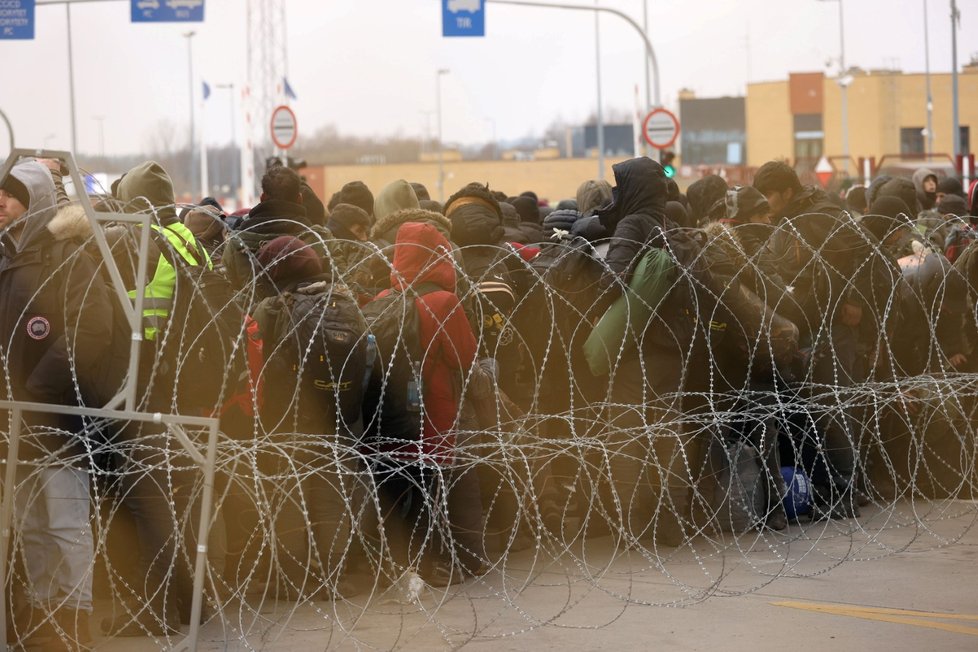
393 409
204 335
315 348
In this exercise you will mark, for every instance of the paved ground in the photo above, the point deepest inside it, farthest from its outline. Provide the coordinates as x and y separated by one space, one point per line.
903 578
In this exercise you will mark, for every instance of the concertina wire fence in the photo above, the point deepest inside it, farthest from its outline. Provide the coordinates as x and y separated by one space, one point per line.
558 474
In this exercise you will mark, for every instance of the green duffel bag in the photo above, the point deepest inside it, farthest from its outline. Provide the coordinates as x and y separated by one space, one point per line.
620 329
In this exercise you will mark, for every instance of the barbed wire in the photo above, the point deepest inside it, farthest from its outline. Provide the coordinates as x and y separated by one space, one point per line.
709 413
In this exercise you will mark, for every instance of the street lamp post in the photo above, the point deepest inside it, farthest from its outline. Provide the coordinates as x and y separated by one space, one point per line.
234 142
955 122
930 98
190 73
844 80
441 153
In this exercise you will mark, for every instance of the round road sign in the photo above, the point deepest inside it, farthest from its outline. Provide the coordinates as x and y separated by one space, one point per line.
660 128
284 129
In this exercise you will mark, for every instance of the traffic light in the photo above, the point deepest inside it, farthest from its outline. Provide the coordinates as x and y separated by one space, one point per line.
667 159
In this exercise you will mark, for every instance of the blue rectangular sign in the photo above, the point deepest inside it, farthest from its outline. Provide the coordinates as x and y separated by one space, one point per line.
17 19
167 11
463 17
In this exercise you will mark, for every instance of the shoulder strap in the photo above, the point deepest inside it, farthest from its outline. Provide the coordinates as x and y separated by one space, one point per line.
166 248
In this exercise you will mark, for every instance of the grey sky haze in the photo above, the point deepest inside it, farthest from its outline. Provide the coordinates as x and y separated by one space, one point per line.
368 67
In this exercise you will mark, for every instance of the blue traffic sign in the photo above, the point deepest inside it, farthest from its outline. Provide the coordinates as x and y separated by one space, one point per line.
463 17
17 19
167 11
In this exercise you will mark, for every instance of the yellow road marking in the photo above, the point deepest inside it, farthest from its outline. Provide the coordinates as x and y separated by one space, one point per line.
899 616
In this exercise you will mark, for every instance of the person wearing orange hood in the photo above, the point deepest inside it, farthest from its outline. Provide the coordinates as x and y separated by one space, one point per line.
411 471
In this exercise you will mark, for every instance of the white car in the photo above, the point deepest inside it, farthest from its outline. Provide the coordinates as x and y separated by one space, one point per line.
148 4
470 6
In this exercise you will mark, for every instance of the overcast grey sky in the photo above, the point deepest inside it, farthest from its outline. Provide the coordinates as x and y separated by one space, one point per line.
368 66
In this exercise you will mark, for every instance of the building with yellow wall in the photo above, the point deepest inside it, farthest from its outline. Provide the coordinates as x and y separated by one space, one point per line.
554 179
799 119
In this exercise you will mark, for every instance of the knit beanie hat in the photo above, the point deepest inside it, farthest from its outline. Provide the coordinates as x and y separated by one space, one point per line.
420 191
356 193
885 215
205 223
12 186
431 205
952 204
856 198
346 216
527 208
951 186
287 259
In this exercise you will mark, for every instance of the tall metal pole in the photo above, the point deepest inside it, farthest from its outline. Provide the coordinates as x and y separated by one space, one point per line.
597 67
955 126
648 80
71 83
236 168
930 98
190 88
441 152
843 81
844 88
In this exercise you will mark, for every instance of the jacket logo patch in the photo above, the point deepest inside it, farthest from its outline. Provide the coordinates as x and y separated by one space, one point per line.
38 328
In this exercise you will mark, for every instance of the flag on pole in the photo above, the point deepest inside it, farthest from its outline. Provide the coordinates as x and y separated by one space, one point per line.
207 90
289 93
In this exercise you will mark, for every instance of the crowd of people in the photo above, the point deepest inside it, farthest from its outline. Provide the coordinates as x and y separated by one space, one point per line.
408 384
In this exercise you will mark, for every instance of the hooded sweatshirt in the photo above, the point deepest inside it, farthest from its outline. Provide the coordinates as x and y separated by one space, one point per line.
423 255
148 187
592 195
927 199
395 196
637 216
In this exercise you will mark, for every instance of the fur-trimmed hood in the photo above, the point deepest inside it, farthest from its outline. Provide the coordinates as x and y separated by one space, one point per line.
385 228
70 223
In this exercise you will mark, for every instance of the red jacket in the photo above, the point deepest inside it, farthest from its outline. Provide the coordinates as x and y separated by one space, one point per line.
423 255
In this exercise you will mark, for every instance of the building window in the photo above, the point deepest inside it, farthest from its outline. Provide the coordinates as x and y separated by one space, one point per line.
912 140
965 139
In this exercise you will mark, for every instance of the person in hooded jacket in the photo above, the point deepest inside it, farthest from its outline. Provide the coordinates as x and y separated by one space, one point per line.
395 196
925 185
648 444
592 195
54 326
146 495
403 466
703 194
